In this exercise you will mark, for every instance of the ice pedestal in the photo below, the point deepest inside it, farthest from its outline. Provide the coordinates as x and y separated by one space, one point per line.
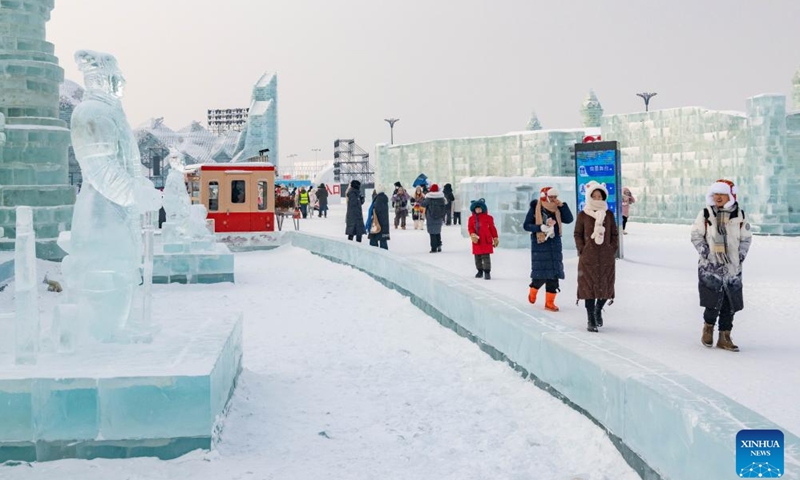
508 200
192 262
159 399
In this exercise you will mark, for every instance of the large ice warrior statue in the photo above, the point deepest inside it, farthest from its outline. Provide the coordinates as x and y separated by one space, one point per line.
102 270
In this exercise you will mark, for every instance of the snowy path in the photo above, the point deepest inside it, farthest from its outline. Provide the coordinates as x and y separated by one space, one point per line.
656 313
346 379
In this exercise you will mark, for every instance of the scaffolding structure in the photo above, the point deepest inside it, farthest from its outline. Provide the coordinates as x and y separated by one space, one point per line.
351 162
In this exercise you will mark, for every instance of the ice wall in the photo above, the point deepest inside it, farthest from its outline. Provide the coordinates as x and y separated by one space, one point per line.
508 200
527 154
261 130
670 157
33 163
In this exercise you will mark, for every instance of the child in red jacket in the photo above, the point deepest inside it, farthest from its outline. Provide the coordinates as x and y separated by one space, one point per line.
484 238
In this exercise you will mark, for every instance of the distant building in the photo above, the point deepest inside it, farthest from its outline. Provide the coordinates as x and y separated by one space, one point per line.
230 119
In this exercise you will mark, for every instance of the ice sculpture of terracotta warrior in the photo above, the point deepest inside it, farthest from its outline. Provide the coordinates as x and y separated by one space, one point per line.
103 266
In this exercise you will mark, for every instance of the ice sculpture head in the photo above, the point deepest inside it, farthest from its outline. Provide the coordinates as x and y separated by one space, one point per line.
176 160
100 72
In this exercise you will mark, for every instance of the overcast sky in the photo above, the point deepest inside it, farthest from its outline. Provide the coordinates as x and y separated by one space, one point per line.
446 68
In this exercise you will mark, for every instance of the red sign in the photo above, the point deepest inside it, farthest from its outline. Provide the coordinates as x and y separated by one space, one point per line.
592 138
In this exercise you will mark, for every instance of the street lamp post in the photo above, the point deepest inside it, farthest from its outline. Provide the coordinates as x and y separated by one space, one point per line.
391 122
646 96
316 154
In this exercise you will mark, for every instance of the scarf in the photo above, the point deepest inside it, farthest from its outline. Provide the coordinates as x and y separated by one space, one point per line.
719 235
597 209
551 207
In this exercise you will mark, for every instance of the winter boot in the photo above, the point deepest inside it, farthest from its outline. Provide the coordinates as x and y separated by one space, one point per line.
598 312
479 274
532 294
591 324
724 341
708 335
549 303
487 275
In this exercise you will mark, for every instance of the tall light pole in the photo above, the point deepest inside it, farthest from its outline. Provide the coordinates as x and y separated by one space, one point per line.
391 122
316 154
646 96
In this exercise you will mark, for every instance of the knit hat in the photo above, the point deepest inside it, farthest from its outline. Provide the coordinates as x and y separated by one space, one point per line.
434 188
725 187
592 186
548 192
478 203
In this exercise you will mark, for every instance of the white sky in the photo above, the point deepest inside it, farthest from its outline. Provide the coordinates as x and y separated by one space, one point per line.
445 68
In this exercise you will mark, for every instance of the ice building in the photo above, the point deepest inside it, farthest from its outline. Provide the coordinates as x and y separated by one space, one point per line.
669 157
33 160
527 154
261 130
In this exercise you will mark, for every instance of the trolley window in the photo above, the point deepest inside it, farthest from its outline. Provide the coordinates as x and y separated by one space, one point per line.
262 194
237 191
213 196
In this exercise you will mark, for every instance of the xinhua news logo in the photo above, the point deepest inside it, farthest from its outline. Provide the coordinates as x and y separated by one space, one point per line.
759 454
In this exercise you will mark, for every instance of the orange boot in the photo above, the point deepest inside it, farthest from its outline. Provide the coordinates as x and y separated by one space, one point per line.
549 304
532 294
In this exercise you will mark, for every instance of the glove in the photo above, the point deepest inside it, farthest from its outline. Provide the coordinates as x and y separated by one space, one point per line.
474 237
495 241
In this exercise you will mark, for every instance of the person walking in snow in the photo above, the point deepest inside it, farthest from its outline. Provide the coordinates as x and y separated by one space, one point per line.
596 238
545 220
400 201
450 197
722 237
627 200
322 199
354 218
484 238
417 209
435 210
377 224
303 201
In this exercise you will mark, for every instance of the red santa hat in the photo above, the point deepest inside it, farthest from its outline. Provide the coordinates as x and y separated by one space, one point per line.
434 187
725 187
548 192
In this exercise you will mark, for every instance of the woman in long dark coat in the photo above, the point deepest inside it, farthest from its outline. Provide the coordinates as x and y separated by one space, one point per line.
322 198
435 210
596 238
355 217
544 220
379 212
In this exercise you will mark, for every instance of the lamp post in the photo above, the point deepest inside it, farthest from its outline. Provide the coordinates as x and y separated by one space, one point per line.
316 154
391 122
646 96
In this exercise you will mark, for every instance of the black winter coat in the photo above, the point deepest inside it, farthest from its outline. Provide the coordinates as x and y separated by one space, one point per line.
547 258
355 217
380 208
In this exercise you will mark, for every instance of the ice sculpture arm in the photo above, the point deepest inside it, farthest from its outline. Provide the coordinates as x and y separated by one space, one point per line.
745 238
699 235
566 213
530 223
578 234
97 150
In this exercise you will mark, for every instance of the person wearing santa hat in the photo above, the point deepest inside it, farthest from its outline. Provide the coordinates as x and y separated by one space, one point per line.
545 219
596 238
722 237
435 207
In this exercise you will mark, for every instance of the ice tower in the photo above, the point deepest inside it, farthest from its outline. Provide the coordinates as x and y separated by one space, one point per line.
33 160
591 110
261 130
796 89
533 123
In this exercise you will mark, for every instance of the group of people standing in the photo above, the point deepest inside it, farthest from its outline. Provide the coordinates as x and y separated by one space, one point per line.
720 234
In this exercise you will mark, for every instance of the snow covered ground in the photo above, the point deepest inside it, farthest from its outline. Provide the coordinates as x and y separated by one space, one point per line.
346 379
657 311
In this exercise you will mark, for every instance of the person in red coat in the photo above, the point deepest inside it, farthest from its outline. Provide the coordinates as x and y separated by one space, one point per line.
484 238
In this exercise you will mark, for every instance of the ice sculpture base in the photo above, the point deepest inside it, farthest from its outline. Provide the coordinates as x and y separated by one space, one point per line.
160 399
192 262
250 241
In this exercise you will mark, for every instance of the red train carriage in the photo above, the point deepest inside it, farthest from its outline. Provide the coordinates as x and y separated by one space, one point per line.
240 197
